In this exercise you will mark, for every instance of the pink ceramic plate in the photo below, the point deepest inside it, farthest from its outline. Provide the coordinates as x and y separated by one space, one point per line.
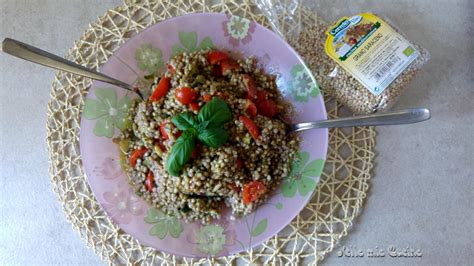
105 110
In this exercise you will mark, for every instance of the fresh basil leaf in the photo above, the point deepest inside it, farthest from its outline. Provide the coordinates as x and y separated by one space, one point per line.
191 132
202 126
213 137
184 121
216 112
180 153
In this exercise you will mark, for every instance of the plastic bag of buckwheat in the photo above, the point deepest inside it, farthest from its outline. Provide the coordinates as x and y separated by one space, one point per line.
362 60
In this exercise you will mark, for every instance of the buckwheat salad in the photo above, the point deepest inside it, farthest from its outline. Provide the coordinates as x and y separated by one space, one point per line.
210 135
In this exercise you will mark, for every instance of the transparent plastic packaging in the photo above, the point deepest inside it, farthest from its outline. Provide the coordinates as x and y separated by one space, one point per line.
309 40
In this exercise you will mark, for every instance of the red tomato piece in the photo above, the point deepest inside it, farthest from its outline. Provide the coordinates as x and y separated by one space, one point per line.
250 86
165 129
161 89
162 146
207 98
170 68
228 65
250 108
253 191
262 95
150 181
267 108
215 57
137 154
251 127
194 106
185 95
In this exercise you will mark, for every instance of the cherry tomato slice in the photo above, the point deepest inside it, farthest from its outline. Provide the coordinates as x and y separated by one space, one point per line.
165 129
185 95
150 181
215 57
207 98
137 154
194 106
170 68
161 89
250 108
250 86
267 108
262 95
253 191
162 146
251 127
228 65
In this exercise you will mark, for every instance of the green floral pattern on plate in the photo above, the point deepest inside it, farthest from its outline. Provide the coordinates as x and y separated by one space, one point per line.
301 176
188 43
149 58
107 111
303 85
239 30
259 228
211 239
238 27
163 224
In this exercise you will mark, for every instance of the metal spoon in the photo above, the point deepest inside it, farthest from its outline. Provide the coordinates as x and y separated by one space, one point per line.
36 55
408 116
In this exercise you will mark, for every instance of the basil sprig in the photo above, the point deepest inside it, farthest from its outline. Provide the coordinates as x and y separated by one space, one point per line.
184 121
180 153
213 137
215 113
207 127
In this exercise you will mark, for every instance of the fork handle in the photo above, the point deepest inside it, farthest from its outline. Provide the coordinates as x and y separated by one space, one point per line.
393 118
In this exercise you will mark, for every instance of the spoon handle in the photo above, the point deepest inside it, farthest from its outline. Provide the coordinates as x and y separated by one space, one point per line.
393 118
36 55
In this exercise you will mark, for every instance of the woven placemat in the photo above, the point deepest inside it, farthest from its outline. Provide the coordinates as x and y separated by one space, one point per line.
308 238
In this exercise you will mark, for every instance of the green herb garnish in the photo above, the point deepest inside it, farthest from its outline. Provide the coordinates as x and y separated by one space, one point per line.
184 121
215 113
213 137
207 127
181 152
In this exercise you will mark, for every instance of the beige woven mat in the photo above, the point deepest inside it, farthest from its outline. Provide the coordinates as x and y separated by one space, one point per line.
308 238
